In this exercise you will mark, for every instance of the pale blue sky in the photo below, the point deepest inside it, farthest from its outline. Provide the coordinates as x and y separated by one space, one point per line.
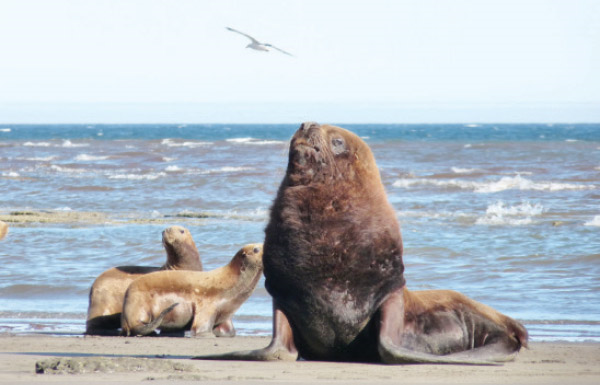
356 61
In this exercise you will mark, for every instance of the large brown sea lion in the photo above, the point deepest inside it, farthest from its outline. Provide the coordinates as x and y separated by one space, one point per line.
108 290
333 265
202 301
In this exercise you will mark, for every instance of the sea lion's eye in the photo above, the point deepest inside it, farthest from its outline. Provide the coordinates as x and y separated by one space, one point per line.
256 250
338 146
182 231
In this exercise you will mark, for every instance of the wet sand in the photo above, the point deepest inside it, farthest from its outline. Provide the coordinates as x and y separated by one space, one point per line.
90 360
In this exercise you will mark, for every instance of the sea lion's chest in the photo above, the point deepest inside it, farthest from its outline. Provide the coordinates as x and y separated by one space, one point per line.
329 268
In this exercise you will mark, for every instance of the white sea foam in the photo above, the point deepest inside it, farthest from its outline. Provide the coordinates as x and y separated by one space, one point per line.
505 183
173 168
167 159
226 169
571 140
66 169
152 176
89 158
472 125
593 222
11 174
458 170
239 140
519 183
252 141
5 129
468 145
39 159
500 214
170 143
68 144
36 144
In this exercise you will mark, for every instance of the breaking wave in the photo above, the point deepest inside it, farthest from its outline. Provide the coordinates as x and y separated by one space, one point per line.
500 214
253 141
189 144
505 183
89 158
593 222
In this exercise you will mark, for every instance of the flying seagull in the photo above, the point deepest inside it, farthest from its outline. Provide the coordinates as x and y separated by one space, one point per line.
257 45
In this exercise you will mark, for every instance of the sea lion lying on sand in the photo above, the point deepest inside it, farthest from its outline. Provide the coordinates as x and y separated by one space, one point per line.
333 265
108 290
201 301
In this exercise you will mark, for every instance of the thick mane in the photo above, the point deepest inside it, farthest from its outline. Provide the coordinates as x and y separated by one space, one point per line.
332 231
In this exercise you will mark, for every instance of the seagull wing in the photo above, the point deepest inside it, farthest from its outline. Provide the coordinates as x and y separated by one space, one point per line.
278 49
242 33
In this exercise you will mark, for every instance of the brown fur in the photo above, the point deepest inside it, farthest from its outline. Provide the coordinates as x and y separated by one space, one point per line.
333 265
170 300
3 230
108 290
445 321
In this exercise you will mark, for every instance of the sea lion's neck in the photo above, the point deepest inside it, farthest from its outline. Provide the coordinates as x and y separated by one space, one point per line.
184 257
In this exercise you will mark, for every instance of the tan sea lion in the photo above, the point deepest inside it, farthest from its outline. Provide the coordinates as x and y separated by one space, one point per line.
201 301
3 230
108 290
333 265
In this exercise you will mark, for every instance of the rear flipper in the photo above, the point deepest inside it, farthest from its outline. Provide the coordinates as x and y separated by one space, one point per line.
444 313
493 354
105 325
148 328
281 348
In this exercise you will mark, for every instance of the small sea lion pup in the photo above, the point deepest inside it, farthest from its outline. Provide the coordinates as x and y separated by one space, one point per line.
333 265
201 301
108 290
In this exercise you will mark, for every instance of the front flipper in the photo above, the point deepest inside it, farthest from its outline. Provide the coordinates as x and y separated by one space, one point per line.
224 329
281 347
392 333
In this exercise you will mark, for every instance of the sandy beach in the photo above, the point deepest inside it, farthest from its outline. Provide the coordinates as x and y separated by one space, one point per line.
89 360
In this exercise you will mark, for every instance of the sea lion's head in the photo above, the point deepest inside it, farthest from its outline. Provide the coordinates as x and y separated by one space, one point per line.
181 249
324 154
249 257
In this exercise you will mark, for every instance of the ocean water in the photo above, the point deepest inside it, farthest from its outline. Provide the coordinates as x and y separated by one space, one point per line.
507 214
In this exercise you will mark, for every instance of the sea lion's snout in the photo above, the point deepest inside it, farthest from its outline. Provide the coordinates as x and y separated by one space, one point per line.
252 254
306 145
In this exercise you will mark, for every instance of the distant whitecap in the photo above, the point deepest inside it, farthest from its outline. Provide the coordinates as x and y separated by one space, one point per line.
68 143
36 144
152 176
89 158
173 168
499 213
253 141
459 170
505 183
593 222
